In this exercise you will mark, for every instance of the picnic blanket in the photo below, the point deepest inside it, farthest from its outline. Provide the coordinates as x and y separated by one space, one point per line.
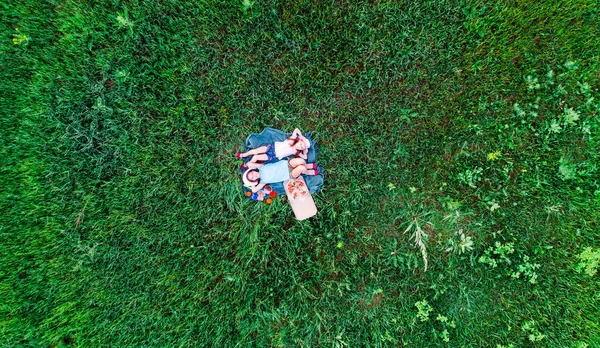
270 135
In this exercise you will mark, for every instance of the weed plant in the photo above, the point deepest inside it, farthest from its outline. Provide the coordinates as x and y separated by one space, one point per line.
461 198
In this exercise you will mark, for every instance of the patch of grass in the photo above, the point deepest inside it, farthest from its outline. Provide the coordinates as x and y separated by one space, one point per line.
123 217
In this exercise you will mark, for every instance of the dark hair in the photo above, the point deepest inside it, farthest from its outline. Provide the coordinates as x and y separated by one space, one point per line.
293 143
254 181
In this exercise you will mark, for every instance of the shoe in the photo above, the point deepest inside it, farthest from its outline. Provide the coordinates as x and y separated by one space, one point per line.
316 172
244 166
313 166
238 155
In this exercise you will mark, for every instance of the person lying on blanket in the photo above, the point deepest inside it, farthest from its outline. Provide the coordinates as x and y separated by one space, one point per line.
259 175
296 145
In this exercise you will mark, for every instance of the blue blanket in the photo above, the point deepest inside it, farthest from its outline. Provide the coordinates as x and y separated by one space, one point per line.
270 135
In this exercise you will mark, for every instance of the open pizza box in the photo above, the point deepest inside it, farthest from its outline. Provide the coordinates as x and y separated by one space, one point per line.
300 198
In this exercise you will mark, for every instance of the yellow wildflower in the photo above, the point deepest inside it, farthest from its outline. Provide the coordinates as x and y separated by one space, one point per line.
19 38
493 156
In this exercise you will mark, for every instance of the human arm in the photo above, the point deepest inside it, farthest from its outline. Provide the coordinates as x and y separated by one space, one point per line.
258 187
296 133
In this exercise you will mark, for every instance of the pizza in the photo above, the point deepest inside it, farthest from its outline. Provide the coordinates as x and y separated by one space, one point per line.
297 189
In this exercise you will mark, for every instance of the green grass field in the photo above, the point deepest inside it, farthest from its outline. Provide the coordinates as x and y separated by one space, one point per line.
462 136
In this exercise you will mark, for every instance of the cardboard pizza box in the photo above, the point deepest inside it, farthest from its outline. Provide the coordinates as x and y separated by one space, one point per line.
300 198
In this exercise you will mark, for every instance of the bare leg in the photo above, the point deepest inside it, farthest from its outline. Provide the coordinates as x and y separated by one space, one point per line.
295 162
258 150
297 171
252 165
301 169
256 158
